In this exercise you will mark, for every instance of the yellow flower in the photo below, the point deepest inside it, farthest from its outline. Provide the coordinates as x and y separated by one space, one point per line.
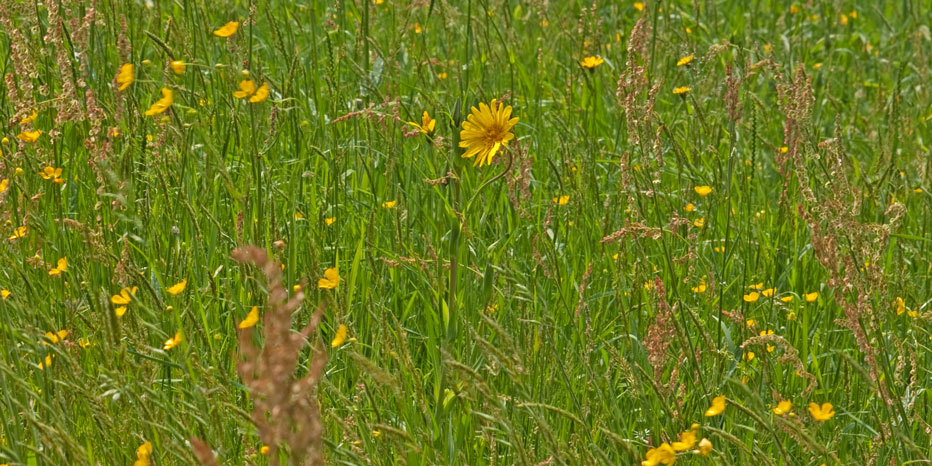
122 300
142 454
329 220
177 287
687 439
29 119
639 6
718 406
126 76
787 299
681 90
562 200
782 407
29 136
331 279
340 337
178 66
699 222
57 336
427 124
5 293
442 75
261 94
19 233
264 449
172 342
768 292
247 87
756 286
690 207
47 362
486 130
590 63
417 28
60 267
685 60
664 454
705 447
3 185
703 191
251 318
389 204
748 357
816 66
699 289
227 29
51 173
791 316
751 297
162 104
718 248
821 413
810 297
900 306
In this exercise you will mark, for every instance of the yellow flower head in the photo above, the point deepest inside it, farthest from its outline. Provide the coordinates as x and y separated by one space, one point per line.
247 87
126 76
562 200
427 124
690 207
700 288
60 267
261 94
47 362
389 204
32 117
227 29
639 6
177 287
768 292
173 341
29 136
705 447
51 173
787 299
19 232
3 185
685 60
783 407
340 337
590 63
486 130
122 300
57 336
664 454
703 190
718 406
821 413
162 104
251 318
687 439
178 66
900 306
5 293
748 356
751 297
681 90
331 279
329 220
810 297
699 222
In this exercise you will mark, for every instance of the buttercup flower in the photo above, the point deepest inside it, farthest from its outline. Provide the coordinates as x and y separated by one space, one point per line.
29 136
52 173
486 130
126 76
122 300
162 104
331 279
177 287
821 413
681 90
783 407
227 29
60 267
718 406
590 63
173 341
664 454
340 337
685 60
687 439
178 66
703 190
251 318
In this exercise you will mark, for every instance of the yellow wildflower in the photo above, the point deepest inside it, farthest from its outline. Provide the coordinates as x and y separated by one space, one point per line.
590 63
122 300
664 454
29 136
703 191
251 318
718 406
177 287
389 204
427 124
810 297
162 104
178 66
172 342
685 60
486 130
751 297
821 413
126 76
331 279
681 90
782 407
60 267
562 200
227 29
339 337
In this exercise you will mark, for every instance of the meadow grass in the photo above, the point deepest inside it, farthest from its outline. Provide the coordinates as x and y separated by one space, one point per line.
727 169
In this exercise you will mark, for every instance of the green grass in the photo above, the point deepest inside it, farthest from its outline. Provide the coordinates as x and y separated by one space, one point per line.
482 330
